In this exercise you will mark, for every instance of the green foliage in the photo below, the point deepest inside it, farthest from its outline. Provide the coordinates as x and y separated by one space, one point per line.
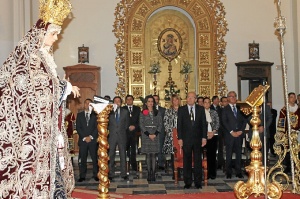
186 68
155 68
169 93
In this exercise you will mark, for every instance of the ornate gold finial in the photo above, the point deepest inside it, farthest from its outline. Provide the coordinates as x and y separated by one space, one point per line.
54 11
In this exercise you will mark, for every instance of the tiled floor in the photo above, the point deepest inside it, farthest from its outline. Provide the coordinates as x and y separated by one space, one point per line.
137 183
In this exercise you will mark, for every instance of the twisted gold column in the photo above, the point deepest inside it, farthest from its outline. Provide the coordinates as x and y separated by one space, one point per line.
102 120
256 180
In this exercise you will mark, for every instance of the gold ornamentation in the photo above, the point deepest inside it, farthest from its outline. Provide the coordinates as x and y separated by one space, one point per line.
102 123
244 107
137 25
204 40
197 10
136 41
256 180
204 91
137 75
203 24
255 99
137 91
154 2
143 10
204 57
128 14
185 3
137 58
294 120
204 74
172 30
276 173
54 11
169 44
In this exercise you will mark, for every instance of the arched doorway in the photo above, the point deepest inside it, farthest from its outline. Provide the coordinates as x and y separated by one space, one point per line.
139 23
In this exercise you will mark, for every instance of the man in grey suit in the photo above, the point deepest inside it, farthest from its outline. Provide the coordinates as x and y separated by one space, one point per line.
161 157
117 126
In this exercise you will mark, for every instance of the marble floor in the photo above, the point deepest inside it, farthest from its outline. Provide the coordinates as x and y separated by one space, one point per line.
137 183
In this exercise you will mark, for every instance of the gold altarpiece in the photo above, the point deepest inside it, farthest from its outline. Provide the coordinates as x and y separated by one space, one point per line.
155 25
202 27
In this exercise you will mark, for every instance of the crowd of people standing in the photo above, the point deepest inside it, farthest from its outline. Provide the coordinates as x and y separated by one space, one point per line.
216 124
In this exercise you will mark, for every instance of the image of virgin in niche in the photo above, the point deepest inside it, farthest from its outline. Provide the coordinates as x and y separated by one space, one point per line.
169 48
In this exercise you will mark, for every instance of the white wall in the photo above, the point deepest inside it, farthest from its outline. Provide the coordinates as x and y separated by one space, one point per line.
254 20
94 30
248 20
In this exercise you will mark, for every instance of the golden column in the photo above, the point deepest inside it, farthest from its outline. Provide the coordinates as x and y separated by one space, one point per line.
102 120
256 181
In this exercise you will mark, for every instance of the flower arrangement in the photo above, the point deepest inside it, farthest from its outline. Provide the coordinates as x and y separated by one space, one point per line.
186 68
170 92
154 68
145 112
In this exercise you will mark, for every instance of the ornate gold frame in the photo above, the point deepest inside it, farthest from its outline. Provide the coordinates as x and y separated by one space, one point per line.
210 30
161 38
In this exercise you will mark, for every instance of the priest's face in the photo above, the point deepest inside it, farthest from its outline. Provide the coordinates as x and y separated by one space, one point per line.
292 99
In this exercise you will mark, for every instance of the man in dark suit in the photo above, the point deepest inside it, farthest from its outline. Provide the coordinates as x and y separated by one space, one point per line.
192 131
272 128
215 104
234 124
133 129
117 126
86 126
161 157
223 103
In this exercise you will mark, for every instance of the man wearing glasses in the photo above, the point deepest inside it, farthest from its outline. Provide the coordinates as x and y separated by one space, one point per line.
192 135
234 124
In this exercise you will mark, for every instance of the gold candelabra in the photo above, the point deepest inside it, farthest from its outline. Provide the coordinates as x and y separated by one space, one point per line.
170 81
256 181
186 83
102 123
155 83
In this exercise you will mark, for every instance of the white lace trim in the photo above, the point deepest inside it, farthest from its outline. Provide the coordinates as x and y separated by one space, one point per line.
47 50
